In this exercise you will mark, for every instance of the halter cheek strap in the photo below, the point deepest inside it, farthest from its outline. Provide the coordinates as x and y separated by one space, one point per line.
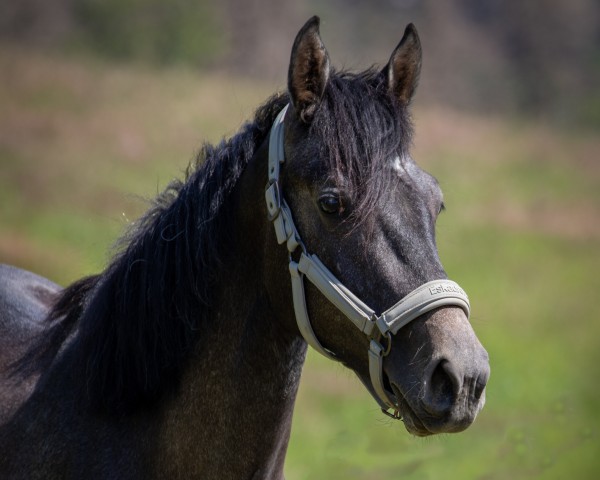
375 327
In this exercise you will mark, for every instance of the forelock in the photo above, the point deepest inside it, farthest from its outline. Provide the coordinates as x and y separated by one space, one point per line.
360 130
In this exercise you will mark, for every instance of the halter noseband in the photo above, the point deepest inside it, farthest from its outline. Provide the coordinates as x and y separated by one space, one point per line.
427 297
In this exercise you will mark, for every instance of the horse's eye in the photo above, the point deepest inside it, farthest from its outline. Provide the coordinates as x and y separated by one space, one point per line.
330 204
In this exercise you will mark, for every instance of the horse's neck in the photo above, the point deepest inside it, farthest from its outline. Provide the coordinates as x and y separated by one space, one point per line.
238 393
237 396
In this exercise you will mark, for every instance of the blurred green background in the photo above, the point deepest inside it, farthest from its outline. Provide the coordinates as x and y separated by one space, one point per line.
102 103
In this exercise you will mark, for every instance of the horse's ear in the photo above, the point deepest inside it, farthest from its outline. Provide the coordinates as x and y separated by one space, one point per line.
309 70
404 67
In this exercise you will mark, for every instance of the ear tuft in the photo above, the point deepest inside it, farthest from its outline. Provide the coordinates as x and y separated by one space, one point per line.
404 67
308 71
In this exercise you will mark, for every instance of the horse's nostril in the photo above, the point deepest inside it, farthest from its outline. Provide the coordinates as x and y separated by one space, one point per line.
442 389
482 381
479 388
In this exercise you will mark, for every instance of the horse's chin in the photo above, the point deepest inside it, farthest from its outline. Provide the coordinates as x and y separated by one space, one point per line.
411 420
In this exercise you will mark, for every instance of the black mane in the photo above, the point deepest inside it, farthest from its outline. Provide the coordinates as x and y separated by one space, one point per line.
134 325
137 321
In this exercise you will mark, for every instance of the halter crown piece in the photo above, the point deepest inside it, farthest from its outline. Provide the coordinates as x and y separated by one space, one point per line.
427 297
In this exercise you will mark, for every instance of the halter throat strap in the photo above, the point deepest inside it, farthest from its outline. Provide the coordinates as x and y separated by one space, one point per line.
423 299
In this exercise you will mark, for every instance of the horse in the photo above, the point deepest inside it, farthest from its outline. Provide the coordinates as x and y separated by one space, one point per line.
182 359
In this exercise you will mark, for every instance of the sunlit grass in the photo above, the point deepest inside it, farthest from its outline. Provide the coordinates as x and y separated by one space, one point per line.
83 144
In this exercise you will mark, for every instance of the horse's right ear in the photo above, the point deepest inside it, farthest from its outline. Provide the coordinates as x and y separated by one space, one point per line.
309 70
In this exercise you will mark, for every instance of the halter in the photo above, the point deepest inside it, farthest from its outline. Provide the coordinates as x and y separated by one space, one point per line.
375 327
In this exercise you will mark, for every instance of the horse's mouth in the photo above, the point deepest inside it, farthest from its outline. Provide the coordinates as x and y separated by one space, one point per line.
411 420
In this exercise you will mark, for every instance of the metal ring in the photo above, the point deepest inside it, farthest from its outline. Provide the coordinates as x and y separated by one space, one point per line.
388 347
396 415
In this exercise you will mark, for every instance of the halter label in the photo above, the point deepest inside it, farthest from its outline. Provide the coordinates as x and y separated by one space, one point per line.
446 288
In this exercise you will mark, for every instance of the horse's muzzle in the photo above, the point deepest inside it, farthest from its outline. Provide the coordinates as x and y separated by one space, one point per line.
451 390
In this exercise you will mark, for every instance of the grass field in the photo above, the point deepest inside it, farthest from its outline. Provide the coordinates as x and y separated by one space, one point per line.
82 144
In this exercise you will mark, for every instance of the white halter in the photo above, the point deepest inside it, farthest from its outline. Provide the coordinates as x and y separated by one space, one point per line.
427 297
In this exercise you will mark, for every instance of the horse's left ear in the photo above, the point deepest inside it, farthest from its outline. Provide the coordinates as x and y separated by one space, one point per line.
404 67
309 70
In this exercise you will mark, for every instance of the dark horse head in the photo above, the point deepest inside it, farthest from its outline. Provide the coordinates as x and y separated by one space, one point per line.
361 203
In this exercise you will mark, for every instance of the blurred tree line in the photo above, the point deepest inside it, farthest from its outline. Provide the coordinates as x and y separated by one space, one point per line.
540 57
